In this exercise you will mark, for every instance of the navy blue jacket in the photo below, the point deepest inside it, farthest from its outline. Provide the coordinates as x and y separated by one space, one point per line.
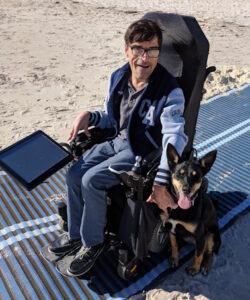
156 120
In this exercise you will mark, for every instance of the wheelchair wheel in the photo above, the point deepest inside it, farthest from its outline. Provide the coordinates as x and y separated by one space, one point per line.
62 213
127 269
63 225
159 239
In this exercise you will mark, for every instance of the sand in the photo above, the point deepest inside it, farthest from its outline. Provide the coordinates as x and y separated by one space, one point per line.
56 56
55 60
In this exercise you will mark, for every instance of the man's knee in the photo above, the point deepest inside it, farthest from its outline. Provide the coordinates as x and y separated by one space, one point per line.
89 179
95 179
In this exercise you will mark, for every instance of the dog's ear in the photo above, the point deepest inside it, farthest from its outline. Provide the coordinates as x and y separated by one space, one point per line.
207 161
172 156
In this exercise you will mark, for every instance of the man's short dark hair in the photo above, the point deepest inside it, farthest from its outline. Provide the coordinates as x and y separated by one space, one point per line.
143 30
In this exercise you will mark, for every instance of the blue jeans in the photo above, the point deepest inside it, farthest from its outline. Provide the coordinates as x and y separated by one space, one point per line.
87 183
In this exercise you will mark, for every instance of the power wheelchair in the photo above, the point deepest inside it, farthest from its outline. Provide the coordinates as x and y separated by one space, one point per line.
184 54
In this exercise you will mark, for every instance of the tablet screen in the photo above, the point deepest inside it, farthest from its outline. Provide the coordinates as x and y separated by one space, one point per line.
34 159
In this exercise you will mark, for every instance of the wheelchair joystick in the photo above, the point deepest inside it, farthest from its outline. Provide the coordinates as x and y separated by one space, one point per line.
137 166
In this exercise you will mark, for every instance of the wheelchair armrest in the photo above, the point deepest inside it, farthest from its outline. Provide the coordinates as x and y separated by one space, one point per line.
152 159
82 142
138 180
130 179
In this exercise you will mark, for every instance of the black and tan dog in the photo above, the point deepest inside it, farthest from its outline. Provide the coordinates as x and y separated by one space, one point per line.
195 219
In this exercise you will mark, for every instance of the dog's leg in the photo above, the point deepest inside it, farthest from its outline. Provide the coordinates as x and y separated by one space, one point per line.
208 254
174 258
198 257
196 266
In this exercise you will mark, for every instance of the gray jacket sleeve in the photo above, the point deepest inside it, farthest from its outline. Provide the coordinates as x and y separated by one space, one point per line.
173 132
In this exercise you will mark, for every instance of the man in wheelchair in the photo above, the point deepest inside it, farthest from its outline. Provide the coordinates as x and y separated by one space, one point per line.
145 108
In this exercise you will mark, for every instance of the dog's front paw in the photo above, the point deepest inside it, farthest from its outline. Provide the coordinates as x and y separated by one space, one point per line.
173 261
191 270
205 271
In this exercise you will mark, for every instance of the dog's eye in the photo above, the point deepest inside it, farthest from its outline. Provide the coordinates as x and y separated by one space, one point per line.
181 171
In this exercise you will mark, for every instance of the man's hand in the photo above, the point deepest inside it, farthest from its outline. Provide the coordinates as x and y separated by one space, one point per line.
81 122
162 198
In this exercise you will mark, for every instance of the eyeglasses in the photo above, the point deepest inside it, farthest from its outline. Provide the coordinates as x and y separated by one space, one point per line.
139 51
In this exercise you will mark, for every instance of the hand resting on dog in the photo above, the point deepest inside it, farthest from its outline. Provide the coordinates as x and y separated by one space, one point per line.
162 198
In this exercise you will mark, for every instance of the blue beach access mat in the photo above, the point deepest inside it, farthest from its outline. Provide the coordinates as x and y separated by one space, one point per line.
28 220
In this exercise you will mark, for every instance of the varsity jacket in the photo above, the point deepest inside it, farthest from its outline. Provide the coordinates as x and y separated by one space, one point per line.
156 119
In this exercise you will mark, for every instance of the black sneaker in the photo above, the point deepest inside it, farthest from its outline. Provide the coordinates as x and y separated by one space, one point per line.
85 259
63 244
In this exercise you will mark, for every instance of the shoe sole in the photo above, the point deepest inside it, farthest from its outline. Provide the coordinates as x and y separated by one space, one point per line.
50 256
65 252
89 268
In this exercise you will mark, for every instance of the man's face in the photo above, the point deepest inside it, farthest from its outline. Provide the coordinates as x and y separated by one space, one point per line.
142 66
